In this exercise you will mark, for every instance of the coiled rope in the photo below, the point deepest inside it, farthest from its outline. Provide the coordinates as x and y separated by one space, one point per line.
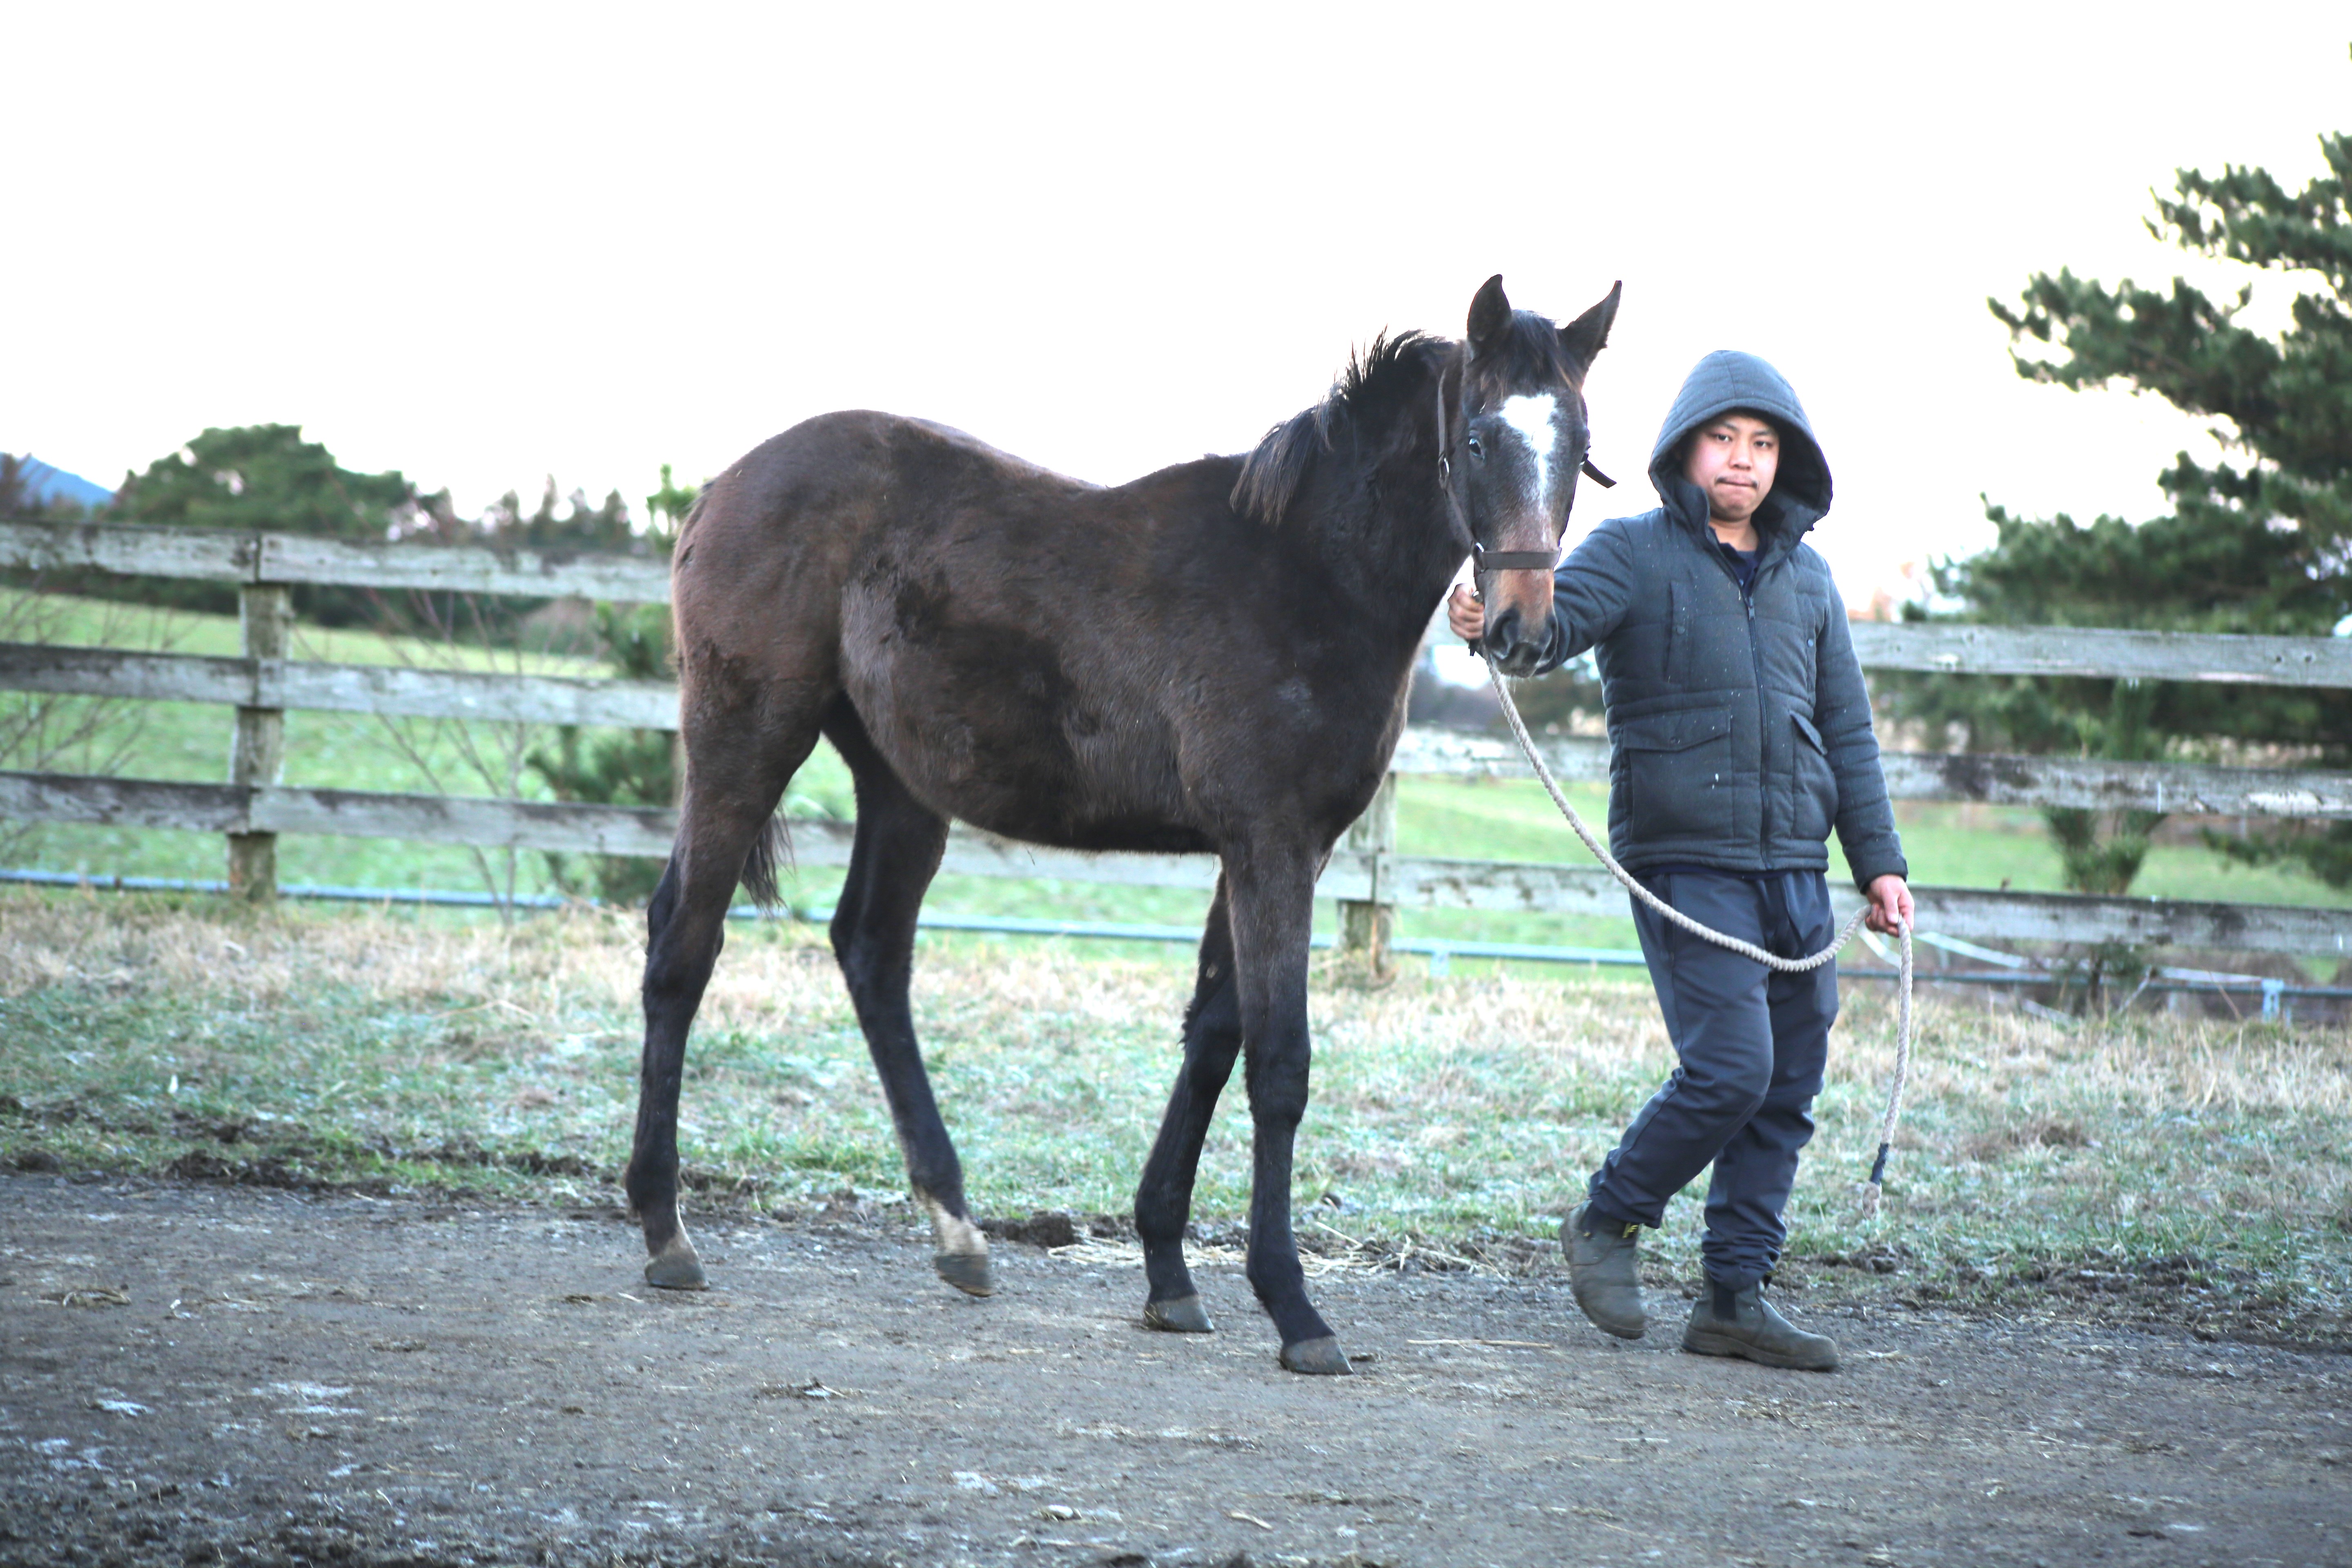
1873 1190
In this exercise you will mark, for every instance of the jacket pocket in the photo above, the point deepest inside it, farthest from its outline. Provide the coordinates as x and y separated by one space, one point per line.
1671 766
1814 789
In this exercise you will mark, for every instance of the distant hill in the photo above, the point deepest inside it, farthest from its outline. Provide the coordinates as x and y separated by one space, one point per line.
45 484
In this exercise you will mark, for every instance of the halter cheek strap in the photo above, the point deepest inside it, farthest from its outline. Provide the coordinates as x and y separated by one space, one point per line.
1461 531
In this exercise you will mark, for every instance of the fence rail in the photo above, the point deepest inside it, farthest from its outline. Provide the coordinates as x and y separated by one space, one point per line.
1948 650
412 692
1995 778
130 549
1365 873
403 690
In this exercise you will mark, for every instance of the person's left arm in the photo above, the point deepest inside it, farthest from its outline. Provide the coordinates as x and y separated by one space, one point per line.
1865 817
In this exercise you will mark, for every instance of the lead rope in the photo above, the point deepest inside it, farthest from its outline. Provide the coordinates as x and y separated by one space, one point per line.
1873 1190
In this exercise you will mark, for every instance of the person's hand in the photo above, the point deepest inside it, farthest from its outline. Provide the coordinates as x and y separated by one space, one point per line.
1890 902
1465 615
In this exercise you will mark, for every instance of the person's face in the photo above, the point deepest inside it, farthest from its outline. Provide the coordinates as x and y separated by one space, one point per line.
1733 461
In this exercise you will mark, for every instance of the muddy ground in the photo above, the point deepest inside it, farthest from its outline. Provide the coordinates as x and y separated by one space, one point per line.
193 1373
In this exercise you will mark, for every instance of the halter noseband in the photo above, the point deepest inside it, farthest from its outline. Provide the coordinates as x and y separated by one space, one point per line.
1513 559
1483 559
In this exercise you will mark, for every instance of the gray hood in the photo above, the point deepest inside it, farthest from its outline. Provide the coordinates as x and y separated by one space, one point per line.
1724 381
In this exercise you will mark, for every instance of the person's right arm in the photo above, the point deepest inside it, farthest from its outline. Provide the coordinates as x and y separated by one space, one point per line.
1590 592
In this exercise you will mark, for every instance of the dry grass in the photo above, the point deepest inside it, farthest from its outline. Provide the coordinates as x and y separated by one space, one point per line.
1457 1114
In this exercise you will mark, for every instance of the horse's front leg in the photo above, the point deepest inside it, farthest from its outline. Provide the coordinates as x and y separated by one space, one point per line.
1164 1199
1272 897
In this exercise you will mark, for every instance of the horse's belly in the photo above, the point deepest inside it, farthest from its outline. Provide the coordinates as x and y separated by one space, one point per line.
1141 834
1044 779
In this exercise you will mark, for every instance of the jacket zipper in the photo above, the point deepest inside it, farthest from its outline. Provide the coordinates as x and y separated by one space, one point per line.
1763 740
1756 676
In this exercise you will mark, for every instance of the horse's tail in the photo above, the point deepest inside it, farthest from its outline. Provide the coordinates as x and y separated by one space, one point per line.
772 848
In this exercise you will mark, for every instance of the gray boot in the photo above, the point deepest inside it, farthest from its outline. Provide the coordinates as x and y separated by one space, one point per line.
1602 1273
1725 1321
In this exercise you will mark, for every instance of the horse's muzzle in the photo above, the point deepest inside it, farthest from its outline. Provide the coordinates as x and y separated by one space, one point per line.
1509 648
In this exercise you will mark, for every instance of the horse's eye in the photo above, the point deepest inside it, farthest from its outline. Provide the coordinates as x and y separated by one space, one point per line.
1476 450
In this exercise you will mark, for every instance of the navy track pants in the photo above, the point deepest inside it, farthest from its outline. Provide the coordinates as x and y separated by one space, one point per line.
1753 1044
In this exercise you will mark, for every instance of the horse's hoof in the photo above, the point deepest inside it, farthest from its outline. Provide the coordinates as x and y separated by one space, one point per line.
1317 1358
967 1271
677 1268
1179 1315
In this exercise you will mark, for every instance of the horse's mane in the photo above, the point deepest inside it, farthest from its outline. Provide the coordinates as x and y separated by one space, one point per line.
1375 399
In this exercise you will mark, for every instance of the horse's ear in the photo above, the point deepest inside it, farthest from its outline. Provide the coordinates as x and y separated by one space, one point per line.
1490 315
1585 337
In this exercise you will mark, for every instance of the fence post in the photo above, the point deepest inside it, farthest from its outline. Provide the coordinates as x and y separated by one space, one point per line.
259 753
1366 927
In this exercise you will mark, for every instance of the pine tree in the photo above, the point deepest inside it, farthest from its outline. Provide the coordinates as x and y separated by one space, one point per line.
262 478
2259 541
626 767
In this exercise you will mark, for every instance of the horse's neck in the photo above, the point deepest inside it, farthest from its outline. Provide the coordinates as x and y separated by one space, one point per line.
1392 548
1378 588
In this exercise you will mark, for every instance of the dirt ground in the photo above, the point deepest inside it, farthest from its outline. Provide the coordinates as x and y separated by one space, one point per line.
193 1373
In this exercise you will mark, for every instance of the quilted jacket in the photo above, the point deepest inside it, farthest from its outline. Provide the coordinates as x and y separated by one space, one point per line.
1739 725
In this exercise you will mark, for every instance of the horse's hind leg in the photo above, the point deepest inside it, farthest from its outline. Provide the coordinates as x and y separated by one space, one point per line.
1164 1199
731 791
899 842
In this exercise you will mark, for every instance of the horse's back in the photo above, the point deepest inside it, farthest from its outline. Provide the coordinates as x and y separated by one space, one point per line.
1053 660
861 494
847 467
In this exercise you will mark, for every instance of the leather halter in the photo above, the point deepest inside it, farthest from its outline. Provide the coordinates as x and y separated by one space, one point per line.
1483 559
1513 559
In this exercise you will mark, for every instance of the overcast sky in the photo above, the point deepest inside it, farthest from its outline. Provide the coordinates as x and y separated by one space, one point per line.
485 244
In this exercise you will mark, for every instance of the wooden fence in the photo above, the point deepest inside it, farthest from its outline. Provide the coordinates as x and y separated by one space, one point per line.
1366 873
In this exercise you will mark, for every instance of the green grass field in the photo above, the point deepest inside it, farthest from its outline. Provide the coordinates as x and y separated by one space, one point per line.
2192 1170
1966 845
2199 1164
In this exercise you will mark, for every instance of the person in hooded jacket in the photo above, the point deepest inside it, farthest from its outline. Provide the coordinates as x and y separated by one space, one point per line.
1740 734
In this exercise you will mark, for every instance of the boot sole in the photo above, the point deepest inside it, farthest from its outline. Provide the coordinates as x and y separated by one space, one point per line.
1622 1329
1699 1344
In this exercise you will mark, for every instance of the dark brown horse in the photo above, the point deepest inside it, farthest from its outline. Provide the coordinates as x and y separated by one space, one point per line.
1212 658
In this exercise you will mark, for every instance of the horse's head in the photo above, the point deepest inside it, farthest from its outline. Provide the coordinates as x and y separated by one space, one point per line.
1518 441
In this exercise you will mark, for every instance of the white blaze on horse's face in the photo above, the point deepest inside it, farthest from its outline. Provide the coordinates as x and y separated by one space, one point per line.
1531 419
